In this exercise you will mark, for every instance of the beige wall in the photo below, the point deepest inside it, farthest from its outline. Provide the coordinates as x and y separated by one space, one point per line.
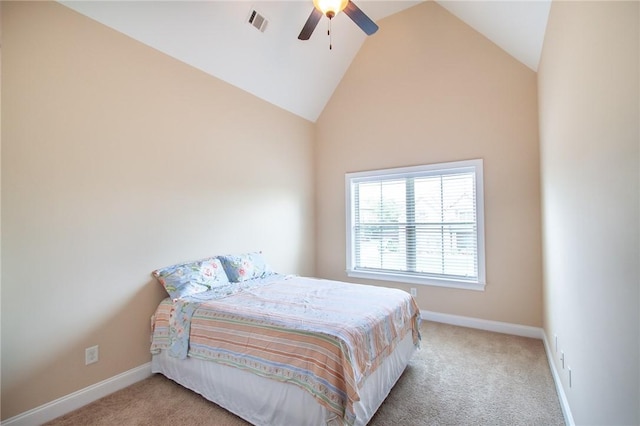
117 160
590 137
430 89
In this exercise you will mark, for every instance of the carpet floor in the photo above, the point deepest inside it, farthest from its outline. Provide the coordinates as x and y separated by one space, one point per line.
460 376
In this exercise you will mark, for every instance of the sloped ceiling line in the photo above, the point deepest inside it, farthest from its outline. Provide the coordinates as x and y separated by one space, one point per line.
298 76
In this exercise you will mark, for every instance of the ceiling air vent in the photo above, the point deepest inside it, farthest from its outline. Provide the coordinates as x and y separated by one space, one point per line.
257 21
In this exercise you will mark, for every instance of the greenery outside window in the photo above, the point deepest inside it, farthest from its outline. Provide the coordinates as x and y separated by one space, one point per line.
419 225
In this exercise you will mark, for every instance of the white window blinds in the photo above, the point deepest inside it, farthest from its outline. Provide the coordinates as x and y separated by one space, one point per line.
416 224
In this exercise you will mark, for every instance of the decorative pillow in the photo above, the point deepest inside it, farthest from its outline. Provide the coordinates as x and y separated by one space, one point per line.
189 278
246 266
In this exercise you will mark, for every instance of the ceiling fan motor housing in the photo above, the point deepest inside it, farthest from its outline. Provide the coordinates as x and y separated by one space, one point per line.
330 8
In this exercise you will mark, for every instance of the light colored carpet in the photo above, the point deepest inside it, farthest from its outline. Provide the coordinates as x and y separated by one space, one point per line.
460 376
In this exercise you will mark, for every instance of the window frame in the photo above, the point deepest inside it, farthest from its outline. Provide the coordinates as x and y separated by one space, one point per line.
476 166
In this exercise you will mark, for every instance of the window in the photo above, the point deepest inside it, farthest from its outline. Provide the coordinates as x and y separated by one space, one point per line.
421 225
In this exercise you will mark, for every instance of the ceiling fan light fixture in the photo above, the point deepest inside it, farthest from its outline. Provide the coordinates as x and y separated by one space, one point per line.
330 8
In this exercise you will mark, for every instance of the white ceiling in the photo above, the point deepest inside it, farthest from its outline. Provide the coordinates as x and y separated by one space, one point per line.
298 76
517 26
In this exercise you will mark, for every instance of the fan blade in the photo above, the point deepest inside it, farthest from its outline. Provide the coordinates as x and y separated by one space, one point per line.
310 25
363 21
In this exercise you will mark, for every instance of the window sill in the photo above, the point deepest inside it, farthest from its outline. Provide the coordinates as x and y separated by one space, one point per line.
465 285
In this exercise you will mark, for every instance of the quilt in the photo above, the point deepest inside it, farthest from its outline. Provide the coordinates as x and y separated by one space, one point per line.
324 336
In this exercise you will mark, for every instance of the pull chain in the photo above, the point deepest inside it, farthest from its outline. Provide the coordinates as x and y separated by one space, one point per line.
329 34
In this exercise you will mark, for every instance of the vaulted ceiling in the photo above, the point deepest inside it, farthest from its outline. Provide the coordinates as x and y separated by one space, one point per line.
272 64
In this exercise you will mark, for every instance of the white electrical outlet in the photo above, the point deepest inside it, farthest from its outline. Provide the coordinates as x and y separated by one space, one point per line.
91 355
562 358
414 292
555 336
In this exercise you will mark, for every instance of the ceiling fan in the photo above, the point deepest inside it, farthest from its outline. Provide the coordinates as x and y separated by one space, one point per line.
330 8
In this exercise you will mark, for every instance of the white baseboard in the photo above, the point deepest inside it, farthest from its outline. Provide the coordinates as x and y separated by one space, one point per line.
517 330
482 324
75 400
564 403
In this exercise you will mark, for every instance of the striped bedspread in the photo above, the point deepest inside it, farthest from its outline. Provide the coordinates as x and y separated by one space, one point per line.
324 336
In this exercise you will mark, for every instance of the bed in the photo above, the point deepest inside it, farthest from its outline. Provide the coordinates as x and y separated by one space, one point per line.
278 349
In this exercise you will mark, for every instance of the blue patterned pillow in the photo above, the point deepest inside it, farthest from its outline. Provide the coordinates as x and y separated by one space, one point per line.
245 267
189 278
